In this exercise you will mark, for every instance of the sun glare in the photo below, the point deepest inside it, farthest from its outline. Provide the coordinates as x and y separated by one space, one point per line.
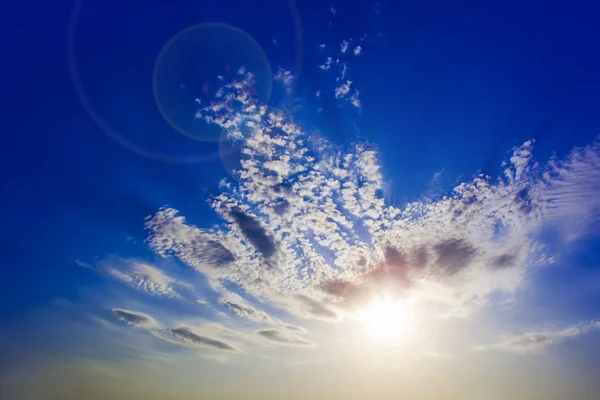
387 318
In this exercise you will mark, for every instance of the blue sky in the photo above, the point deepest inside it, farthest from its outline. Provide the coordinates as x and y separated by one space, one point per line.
207 199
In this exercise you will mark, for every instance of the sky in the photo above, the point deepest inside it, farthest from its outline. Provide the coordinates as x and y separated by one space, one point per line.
294 199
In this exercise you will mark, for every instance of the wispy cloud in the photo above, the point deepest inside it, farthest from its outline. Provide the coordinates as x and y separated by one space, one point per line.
143 276
354 100
135 318
532 341
185 336
357 50
283 338
285 77
243 310
344 46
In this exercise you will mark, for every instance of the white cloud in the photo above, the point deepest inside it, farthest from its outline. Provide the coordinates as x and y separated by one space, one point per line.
283 338
143 276
307 226
242 309
285 77
316 216
234 107
533 341
354 100
344 70
135 318
189 337
332 10
357 50
344 45
342 90
327 64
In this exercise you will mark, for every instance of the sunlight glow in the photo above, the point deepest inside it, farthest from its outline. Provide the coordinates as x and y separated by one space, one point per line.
387 318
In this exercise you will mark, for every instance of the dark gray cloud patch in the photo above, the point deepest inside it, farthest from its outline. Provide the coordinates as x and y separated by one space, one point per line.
219 255
255 233
281 207
186 335
453 255
393 257
523 199
420 257
503 261
278 336
134 318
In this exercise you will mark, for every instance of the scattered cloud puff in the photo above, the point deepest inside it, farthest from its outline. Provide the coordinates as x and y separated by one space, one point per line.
344 46
285 77
332 10
144 277
343 90
135 318
357 50
532 341
234 106
327 64
354 100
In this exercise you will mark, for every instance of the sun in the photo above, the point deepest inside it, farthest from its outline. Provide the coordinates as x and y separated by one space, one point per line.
387 318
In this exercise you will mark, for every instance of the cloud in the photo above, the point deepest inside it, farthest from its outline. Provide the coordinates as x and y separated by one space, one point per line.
135 318
454 255
532 341
283 338
354 100
243 310
315 308
285 77
144 277
327 64
344 71
342 90
293 328
234 107
344 45
307 218
357 50
187 337
572 190
255 233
